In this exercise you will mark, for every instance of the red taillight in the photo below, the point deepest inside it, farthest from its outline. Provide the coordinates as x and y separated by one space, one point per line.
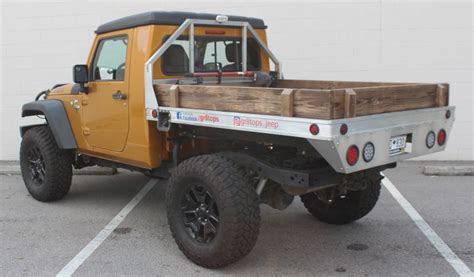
441 137
352 155
314 129
343 129
154 113
215 32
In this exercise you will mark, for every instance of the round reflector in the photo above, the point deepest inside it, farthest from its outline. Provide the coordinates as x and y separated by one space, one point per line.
343 130
441 137
352 155
368 152
154 113
430 139
314 129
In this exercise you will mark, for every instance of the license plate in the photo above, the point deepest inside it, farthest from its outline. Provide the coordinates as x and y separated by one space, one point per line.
397 145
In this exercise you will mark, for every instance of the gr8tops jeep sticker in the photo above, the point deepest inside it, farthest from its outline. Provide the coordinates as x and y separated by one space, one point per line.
198 118
239 121
255 123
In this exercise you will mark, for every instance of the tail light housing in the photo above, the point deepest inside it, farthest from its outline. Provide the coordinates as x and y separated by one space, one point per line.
430 139
352 155
343 129
215 32
314 129
368 152
448 114
441 137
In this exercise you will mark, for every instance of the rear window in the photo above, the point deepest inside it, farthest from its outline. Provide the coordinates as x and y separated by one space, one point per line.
210 54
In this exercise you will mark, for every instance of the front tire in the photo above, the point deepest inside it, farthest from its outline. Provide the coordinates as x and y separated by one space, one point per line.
213 210
345 208
46 169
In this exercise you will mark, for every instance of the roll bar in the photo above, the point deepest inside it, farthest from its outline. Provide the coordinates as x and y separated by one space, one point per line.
150 98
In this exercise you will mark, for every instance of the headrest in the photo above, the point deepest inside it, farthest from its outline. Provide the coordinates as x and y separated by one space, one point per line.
233 52
175 59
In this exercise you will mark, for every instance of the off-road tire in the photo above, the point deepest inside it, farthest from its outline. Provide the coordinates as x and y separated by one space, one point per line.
237 203
355 204
57 165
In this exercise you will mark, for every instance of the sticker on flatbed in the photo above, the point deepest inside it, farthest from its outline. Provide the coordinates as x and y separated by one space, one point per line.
397 145
255 123
197 117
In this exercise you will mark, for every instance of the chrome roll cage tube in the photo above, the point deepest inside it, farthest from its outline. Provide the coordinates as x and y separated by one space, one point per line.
150 98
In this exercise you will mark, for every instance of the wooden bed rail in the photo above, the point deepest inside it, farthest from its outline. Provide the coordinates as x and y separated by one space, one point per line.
174 96
442 95
287 102
350 102
302 102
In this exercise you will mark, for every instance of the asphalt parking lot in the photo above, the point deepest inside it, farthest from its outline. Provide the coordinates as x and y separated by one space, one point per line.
41 238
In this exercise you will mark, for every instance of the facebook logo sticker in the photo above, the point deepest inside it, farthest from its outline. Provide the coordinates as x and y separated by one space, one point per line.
237 120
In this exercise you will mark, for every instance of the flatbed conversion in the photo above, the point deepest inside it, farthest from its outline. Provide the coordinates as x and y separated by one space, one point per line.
194 94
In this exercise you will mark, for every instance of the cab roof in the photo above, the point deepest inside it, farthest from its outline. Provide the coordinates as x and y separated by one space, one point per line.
168 18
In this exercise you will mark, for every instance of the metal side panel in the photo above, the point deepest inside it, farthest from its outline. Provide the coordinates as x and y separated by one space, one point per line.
377 129
267 124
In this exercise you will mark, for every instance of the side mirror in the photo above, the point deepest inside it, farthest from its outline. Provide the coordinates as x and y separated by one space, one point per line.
80 74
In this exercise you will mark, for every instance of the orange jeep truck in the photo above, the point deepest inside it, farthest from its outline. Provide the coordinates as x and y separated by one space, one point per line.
201 99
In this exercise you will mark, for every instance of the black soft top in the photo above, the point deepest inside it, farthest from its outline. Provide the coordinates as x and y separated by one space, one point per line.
168 18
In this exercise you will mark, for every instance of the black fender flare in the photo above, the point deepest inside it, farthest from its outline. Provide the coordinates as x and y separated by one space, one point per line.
56 118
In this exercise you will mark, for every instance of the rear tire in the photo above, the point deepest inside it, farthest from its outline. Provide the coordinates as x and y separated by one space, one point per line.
46 169
349 207
213 193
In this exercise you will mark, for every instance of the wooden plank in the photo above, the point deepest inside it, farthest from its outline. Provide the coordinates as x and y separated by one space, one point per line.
287 102
174 96
393 99
224 98
441 96
310 103
350 101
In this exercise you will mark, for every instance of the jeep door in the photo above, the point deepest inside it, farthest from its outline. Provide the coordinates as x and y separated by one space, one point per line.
105 107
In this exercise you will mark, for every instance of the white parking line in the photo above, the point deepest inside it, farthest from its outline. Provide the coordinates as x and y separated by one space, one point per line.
74 264
459 266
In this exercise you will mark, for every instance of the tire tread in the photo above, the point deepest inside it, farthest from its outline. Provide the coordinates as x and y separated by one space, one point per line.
356 205
58 165
239 197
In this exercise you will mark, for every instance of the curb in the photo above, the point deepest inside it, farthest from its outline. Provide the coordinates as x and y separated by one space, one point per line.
433 170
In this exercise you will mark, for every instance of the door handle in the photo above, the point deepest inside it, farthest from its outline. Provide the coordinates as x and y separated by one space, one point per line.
119 95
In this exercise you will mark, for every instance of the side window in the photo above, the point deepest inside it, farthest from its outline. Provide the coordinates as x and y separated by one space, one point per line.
109 60
176 57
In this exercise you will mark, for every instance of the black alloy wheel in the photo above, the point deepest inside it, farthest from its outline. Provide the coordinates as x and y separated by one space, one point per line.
36 165
200 213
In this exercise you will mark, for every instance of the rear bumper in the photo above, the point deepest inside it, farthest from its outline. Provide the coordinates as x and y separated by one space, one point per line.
378 129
